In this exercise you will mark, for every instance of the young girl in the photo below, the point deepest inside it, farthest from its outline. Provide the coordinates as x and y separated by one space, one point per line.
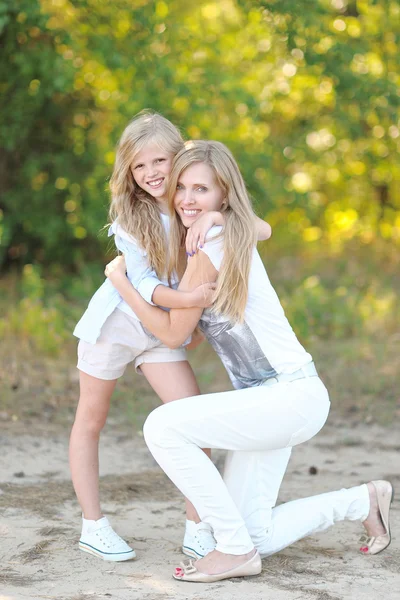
111 335
279 400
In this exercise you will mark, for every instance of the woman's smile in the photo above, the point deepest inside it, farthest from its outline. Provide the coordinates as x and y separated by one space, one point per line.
197 192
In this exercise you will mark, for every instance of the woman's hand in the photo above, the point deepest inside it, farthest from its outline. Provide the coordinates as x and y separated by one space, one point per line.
196 234
116 269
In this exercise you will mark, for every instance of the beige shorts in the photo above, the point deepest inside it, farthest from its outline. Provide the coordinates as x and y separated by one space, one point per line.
123 340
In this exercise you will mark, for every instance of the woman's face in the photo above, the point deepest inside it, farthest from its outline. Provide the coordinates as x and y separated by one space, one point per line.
197 192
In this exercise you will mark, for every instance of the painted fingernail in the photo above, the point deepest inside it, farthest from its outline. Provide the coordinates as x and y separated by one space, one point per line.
187 253
201 246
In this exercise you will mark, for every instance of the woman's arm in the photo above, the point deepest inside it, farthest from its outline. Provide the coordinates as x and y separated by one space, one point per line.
173 327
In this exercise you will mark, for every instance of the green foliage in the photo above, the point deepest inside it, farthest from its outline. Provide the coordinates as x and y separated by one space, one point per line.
41 320
305 93
352 297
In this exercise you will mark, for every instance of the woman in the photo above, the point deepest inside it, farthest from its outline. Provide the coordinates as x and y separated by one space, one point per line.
278 402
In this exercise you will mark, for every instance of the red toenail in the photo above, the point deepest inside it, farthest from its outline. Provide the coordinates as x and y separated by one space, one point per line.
364 549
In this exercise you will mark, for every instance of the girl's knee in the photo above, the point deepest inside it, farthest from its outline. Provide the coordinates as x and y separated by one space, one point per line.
89 422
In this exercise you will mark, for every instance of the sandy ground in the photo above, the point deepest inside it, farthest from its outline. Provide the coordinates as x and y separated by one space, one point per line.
40 519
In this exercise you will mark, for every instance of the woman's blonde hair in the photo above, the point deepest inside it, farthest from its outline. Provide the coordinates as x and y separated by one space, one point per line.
239 235
135 209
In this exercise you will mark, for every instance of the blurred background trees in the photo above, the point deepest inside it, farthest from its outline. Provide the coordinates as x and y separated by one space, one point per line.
305 93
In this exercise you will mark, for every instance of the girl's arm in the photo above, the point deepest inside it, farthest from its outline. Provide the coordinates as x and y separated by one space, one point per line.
173 327
264 230
196 234
201 297
149 285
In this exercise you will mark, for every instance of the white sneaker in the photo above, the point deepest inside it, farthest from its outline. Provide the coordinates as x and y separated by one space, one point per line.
100 539
198 540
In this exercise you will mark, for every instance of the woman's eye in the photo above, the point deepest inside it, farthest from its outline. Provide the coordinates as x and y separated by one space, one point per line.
158 160
179 187
201 188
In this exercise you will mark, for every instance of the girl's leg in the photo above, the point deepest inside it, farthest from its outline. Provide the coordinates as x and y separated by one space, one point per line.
253 419
97 535
91 415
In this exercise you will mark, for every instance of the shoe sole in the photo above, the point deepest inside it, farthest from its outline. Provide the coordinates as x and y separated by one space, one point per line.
110 557
389 532
192 553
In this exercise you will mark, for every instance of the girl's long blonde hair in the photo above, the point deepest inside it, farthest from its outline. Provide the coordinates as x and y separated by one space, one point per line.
135 209
239 236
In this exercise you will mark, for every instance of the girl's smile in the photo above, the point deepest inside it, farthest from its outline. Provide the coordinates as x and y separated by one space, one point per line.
151 168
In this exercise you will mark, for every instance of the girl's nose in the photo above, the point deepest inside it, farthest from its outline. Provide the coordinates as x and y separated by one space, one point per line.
151 171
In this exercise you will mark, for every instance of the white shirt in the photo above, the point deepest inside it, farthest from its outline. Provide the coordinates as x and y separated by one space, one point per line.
107 299
264 344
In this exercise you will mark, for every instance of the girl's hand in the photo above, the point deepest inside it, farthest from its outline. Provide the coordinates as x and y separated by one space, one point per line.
202 296
115 269
264 230
196 234
197 339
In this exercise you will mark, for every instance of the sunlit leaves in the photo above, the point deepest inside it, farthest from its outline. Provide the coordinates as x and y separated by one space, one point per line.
305 93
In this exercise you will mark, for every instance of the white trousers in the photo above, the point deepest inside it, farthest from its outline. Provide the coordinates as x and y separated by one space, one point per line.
258 426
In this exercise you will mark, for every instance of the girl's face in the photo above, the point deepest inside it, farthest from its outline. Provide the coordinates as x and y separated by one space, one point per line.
150 169
197 192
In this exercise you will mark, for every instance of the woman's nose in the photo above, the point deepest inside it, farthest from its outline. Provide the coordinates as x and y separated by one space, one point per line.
189 197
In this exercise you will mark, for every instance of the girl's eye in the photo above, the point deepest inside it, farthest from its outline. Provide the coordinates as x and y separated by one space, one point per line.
138 166
178 186
158 160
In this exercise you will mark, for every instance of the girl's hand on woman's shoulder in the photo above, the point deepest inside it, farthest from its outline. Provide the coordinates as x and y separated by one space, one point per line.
116 268
196 234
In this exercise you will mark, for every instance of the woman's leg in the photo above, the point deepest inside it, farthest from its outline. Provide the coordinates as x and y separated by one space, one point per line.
253 480
91 415
174 381
253 419
274 528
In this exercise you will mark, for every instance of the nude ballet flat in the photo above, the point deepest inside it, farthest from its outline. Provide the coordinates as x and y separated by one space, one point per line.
374 545
188 572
